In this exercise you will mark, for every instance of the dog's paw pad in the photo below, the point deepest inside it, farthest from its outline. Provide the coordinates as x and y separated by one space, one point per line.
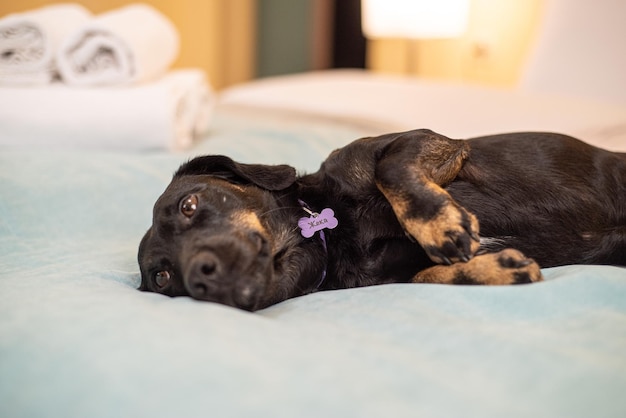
508 266
510 258
450 237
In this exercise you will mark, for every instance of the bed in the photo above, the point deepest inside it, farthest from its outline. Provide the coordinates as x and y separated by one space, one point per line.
78 339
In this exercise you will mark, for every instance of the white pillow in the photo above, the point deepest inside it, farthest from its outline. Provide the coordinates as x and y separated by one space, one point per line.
580 51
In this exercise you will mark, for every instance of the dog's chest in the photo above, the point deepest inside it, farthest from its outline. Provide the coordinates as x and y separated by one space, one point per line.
369 246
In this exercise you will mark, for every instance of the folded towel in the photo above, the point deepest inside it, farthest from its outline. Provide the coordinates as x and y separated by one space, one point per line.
29 41
126 45
167 113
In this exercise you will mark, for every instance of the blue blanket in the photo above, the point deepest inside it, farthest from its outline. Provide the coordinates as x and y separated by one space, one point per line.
78 340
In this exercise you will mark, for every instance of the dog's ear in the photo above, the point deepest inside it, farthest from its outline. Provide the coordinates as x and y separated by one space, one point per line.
269 177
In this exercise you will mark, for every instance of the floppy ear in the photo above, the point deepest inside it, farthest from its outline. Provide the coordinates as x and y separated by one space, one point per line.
269 177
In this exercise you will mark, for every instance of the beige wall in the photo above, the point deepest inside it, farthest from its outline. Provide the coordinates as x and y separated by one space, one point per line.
492 51
219 36
216 35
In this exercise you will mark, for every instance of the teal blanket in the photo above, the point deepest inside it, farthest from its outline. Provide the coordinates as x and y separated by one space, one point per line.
78 340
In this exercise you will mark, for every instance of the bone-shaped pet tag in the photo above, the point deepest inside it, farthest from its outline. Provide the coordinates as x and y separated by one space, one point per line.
317 221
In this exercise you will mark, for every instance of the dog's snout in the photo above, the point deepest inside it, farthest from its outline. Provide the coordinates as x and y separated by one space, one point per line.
208 267
201 276
228 269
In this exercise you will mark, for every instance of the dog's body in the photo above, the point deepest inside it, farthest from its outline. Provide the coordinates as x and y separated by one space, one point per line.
408 208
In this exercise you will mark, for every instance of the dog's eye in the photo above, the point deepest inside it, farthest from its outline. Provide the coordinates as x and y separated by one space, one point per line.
189 205
162 278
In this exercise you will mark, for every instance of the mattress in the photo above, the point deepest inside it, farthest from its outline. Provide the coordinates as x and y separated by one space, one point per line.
78 339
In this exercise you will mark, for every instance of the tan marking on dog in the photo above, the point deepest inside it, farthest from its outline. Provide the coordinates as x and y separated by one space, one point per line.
484 269
248 220
445 225
434 232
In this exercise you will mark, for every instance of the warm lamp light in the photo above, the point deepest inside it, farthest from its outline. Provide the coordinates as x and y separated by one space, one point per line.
414 18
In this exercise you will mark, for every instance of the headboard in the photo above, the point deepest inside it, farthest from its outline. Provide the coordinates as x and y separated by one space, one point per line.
580 50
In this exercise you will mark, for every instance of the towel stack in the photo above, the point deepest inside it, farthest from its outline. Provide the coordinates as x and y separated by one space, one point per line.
69 78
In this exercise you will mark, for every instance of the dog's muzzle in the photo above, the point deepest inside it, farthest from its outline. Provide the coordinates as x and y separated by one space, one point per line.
233 270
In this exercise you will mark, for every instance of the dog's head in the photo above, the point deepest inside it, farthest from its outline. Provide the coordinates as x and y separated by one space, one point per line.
210 238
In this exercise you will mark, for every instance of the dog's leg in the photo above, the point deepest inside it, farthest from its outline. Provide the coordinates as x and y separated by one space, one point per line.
411 173
505 267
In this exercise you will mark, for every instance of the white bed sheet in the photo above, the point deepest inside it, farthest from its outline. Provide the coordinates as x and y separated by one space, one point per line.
390 103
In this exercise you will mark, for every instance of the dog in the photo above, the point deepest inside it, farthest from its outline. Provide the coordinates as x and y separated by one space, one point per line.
405 207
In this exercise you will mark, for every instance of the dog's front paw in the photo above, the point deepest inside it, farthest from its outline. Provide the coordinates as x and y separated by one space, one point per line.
450 236
508 266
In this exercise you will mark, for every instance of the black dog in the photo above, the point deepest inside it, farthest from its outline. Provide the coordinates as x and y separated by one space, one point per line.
396 208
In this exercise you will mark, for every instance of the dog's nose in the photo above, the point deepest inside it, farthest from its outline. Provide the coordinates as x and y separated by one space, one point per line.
231 270
202 275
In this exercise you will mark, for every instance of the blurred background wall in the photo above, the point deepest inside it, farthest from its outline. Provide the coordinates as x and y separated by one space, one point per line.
237 40
492 50
215 35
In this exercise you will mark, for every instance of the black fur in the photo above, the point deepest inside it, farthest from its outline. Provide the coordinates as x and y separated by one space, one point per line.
553 197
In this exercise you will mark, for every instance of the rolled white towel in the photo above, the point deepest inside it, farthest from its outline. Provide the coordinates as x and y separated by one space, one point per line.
29 41
194 99
126 45
169 113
